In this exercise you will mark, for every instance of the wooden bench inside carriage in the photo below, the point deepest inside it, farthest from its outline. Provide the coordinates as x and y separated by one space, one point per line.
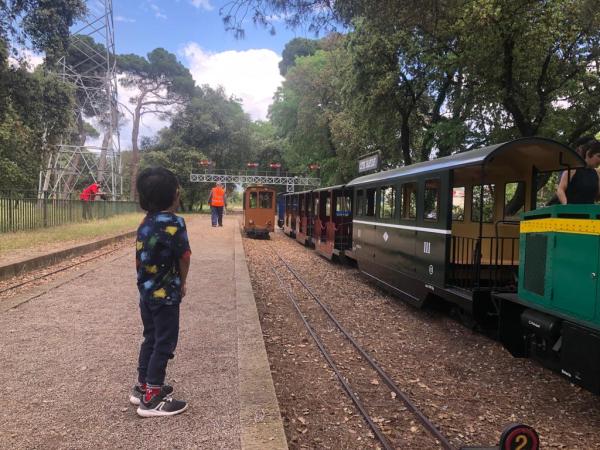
486 262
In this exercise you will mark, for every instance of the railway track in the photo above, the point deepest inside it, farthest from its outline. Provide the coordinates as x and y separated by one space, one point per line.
54 272
364 390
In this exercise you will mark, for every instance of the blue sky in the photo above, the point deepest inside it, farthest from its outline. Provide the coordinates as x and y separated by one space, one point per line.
194 31
142 25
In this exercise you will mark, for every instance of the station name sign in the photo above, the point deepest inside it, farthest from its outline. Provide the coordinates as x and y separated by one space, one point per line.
369 162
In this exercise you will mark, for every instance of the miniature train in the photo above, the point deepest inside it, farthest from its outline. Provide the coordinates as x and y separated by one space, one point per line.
467 229
259 211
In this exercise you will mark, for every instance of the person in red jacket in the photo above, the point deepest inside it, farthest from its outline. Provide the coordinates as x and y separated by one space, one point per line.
217 201
89 195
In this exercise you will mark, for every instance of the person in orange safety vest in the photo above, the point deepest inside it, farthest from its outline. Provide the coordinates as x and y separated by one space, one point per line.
217 201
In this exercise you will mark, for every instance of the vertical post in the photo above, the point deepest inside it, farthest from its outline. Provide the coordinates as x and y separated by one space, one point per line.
45 209
11 213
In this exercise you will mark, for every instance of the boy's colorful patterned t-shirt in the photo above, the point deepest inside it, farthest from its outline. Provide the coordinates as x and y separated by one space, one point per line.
161 242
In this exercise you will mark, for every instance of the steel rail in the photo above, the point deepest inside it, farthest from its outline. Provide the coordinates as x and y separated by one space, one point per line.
390 383
15 286
384 441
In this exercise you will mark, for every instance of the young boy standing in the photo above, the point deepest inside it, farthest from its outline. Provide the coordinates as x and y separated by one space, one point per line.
163 260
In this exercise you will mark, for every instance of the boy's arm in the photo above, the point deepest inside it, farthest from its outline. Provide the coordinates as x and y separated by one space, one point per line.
184 268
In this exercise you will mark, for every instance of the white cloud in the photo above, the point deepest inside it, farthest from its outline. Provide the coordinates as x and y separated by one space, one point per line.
28 58
204 4
252 75
157 11
124 19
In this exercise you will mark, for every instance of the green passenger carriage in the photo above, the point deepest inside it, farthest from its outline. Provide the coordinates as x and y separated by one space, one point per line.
450 229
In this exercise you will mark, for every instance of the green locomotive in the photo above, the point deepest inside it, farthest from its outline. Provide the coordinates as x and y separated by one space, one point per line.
555 315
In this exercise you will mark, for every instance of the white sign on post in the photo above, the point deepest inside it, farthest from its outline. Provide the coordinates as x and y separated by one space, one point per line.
369 162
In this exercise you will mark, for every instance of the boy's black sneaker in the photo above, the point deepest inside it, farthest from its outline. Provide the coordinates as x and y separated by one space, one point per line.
137 393
161 406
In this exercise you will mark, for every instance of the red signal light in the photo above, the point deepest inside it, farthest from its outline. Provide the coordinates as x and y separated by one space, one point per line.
275 165
252 164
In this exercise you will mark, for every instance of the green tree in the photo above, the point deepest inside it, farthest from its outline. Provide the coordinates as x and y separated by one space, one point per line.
296 47
216 125
162 84
44 24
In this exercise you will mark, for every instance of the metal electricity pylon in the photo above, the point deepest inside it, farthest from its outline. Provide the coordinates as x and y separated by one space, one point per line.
90 67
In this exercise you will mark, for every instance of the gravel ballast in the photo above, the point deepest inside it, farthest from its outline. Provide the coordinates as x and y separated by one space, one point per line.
466 383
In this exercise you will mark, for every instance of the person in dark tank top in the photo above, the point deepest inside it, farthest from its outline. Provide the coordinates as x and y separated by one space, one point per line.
581 185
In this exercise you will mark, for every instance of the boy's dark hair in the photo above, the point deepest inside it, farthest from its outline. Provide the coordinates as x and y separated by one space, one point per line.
157 188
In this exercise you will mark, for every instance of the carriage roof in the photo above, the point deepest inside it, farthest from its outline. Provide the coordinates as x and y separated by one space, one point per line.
546 154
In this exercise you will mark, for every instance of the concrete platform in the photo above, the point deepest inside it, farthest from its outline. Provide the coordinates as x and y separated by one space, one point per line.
69 353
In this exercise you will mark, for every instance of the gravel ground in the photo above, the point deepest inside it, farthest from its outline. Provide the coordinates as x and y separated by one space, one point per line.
68 358
467 384
33 277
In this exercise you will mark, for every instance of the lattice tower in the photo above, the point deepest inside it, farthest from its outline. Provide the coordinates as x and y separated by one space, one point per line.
94 78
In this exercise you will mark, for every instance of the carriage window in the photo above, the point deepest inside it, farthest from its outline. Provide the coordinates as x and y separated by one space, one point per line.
343 206
514 199
549 183
488 202
431 204
328 207
458 203
366 202
266 200
360 202
387 202
253 199
316 210
409 201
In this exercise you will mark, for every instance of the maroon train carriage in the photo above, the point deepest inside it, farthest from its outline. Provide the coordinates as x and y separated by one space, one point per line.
291 212
259 211
305 217
332 233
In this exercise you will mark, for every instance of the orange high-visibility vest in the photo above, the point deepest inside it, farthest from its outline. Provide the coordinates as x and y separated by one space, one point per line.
217 196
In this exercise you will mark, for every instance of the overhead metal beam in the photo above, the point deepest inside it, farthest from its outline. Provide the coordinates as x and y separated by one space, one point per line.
290 181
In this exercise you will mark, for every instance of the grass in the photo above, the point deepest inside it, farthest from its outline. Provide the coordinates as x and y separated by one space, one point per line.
94 229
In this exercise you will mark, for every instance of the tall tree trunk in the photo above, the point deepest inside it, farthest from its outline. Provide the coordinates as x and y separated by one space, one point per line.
135 152
107 141
405 139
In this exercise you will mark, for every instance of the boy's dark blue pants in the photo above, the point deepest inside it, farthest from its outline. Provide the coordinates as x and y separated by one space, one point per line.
161 330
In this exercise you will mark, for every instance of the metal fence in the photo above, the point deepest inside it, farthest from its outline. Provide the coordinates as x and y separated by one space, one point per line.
24 210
